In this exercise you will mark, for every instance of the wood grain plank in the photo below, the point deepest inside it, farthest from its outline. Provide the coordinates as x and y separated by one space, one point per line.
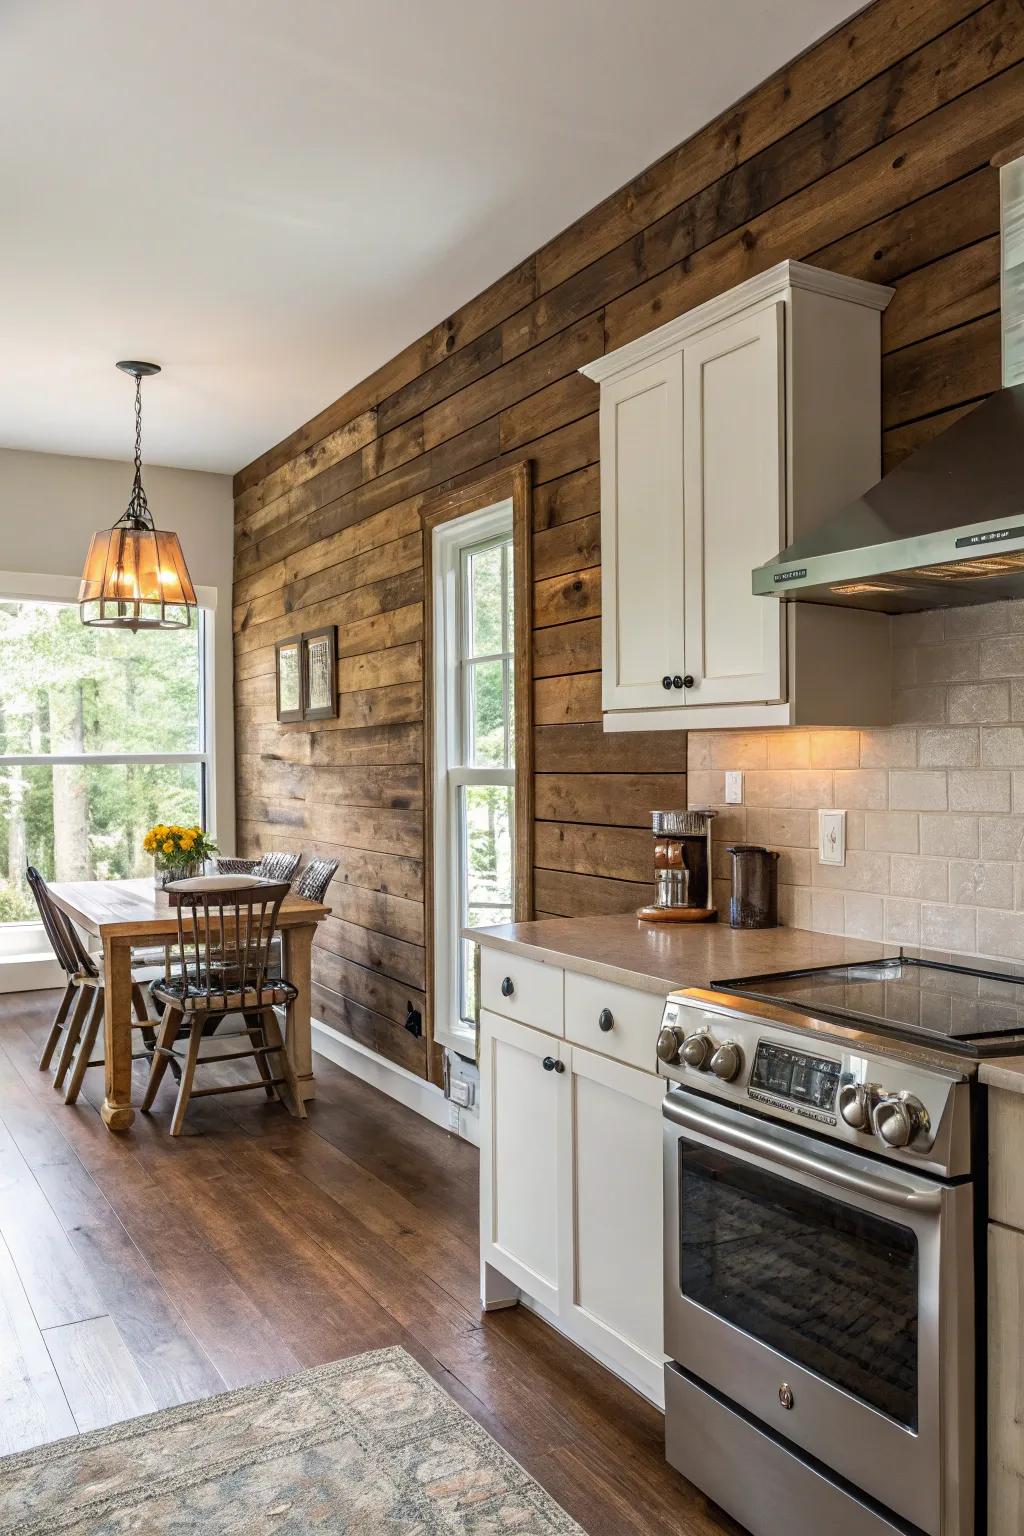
572 895
57 1283
567 700
101 1381
615 853
33 1408
564 648
587 748
614 799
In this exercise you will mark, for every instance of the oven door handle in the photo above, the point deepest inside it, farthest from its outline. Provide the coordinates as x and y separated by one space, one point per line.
897 1192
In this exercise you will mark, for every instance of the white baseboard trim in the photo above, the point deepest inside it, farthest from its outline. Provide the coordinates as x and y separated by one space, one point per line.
424 1098
30 973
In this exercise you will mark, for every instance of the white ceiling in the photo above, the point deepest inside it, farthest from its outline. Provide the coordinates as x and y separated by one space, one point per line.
272 197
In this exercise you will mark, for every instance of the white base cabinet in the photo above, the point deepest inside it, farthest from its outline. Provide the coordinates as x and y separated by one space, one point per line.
571 1184
610 1199
520 1122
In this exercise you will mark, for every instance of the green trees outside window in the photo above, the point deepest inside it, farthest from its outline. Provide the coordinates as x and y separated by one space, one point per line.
77 694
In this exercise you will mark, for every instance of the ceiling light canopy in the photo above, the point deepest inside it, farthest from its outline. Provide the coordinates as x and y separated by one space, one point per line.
135 574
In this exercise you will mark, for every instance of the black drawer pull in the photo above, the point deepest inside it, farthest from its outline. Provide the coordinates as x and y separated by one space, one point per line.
605 1020
508 986
549 1063
666 682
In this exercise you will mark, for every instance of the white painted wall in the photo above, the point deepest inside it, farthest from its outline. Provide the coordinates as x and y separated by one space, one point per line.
51 504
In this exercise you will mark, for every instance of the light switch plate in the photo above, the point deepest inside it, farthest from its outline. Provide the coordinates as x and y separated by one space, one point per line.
831 837
734 789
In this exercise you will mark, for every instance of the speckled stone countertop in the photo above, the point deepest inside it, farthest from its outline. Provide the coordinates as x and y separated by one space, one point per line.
656 957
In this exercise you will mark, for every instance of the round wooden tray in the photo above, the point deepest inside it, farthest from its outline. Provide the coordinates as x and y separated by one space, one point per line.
677 914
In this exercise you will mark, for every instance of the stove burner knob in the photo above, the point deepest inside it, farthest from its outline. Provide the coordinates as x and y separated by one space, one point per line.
670 1039
899 1118
697 1050
727 1061
857 1103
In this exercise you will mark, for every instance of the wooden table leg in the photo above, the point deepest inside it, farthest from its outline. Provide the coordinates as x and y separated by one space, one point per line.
117 1109
298 963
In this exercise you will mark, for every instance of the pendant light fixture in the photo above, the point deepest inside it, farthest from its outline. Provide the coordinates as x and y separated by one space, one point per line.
135 574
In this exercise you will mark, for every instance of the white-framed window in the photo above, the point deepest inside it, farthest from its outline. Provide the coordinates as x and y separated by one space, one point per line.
102 733
474 753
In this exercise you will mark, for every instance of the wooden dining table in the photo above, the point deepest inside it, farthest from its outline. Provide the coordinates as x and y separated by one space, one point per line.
127 915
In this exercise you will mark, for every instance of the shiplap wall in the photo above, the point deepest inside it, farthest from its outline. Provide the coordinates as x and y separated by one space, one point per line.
868 155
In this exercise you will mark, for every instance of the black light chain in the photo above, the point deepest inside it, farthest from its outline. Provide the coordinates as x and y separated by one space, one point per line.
138 513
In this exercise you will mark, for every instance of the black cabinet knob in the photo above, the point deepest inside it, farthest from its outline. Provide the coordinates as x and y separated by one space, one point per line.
549 1063
508 986
666 682
685 682
605 1020
559 1066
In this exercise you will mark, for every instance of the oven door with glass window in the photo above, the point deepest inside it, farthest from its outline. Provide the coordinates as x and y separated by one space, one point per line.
829 1295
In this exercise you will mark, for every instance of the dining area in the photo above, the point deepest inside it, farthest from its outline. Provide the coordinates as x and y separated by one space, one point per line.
150 963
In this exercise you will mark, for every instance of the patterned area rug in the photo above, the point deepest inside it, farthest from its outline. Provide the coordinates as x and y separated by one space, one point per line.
364 1446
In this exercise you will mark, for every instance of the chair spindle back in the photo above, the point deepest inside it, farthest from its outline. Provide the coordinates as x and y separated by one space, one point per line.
72 955
226 935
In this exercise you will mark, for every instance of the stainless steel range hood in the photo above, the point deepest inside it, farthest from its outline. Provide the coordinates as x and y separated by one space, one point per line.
945 527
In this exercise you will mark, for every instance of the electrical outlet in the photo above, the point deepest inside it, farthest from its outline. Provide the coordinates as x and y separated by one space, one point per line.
461 1092
831 837
734 788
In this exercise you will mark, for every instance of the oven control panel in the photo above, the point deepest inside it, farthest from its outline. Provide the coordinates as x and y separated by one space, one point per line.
879 1101
807 1083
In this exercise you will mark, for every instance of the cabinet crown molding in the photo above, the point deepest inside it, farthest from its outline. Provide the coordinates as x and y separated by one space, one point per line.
774 283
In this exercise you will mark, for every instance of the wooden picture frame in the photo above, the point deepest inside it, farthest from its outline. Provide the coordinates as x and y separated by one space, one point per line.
289 683
320 673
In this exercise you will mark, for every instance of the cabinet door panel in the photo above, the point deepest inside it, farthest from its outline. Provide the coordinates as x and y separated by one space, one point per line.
612 1185
642 549
519 1154
1005 1380
734 504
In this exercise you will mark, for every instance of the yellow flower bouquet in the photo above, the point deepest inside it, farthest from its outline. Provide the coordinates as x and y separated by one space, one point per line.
178 852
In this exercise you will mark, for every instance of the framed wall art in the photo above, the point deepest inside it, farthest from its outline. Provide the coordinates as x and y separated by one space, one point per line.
320 673
289 678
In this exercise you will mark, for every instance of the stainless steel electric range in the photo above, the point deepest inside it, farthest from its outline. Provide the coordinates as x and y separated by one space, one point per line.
823 1129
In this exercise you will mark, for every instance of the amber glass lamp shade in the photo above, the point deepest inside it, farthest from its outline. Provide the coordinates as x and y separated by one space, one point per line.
136 578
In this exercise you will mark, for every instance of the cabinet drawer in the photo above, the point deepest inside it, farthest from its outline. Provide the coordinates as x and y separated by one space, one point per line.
617 1021
521 989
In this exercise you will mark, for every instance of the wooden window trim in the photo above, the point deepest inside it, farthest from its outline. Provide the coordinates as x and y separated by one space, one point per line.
512 483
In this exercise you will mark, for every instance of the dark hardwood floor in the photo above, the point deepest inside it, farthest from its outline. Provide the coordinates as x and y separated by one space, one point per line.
137 1272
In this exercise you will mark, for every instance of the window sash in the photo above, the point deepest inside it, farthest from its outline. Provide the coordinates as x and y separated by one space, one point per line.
466 661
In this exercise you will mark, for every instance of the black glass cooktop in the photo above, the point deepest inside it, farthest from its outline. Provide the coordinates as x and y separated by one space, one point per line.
973 1007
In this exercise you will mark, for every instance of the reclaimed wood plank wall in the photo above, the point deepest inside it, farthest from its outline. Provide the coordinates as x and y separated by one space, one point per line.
868 155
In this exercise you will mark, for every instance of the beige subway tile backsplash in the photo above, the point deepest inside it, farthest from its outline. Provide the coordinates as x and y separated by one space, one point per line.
892 831
935 803
948 747
924 879
978 703
920 791
985 790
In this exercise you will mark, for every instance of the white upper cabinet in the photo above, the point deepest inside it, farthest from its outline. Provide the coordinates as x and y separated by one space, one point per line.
724 435
734 505
642 458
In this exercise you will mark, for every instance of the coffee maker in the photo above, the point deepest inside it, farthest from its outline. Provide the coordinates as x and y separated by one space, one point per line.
682 868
